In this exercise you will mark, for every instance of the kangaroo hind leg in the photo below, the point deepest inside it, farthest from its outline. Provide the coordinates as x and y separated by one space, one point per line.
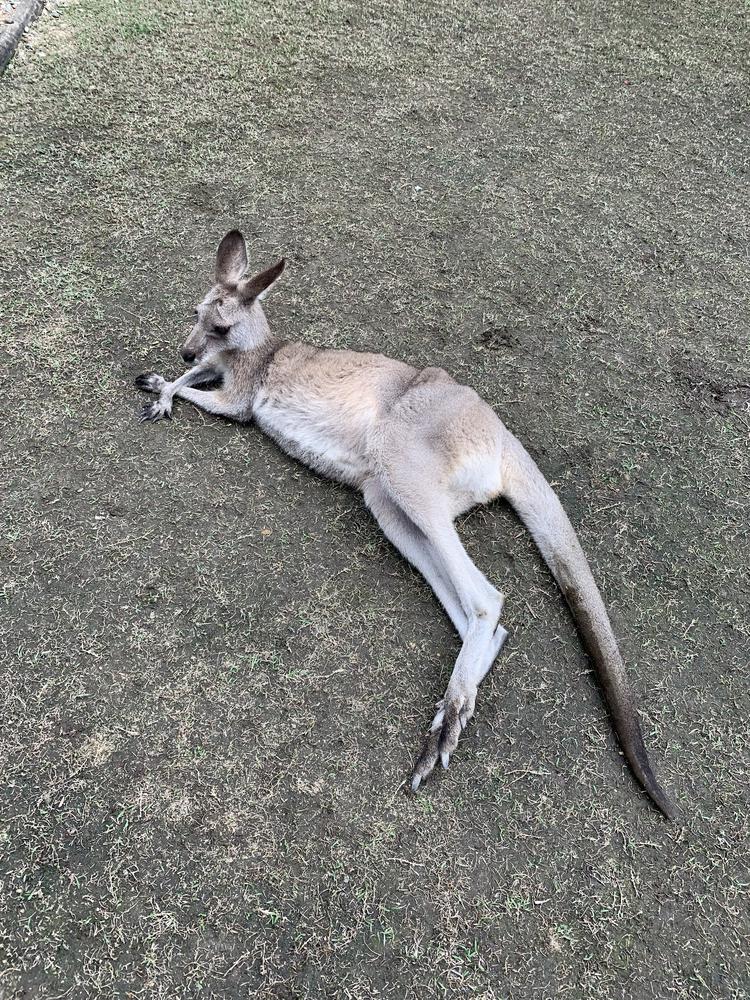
428 509
484 637
414 545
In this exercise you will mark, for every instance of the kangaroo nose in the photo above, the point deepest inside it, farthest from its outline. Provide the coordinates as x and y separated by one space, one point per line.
187 356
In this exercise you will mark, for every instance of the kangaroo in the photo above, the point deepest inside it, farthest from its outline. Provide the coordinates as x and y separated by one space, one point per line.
422 449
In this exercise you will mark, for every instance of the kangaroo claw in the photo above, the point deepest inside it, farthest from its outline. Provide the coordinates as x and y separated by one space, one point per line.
453 714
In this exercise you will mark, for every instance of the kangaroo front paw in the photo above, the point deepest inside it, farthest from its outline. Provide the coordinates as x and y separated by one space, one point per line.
157 410
453 714
150 382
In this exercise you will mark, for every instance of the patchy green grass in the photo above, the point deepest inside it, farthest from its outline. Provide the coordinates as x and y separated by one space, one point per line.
215 672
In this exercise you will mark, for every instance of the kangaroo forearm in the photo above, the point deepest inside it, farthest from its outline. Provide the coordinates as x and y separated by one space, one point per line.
212 401
195 376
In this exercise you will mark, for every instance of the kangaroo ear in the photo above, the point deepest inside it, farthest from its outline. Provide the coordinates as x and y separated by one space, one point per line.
231 258
259 286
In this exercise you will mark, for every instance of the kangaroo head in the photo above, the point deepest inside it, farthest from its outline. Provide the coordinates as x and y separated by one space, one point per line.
230 317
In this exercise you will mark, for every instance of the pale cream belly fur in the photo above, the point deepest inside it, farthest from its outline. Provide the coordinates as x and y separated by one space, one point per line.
334 444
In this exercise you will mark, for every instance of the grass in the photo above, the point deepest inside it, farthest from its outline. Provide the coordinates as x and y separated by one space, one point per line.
215 672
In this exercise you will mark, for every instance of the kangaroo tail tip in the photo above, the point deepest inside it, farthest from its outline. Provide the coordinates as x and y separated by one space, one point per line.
663 803
635 752
655 792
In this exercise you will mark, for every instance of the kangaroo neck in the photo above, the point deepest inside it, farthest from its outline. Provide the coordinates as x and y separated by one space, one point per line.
247 369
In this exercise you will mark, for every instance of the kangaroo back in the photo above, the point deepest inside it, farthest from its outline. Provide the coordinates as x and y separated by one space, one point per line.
536 504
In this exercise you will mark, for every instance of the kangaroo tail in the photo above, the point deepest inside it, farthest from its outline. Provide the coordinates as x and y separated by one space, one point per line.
536 504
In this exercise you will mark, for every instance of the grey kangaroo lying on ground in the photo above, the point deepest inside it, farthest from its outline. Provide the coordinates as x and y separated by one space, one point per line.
422 449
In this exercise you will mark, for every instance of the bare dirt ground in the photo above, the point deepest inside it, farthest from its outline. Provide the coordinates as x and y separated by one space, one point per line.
215 671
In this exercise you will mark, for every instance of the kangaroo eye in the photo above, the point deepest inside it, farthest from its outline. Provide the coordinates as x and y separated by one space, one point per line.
219 330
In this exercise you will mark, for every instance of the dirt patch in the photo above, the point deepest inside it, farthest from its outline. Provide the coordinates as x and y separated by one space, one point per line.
706 390
498 338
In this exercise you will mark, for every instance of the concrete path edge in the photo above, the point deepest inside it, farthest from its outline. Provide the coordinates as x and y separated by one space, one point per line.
25 12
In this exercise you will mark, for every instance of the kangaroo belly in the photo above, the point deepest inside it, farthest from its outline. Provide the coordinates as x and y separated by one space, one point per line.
330 444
